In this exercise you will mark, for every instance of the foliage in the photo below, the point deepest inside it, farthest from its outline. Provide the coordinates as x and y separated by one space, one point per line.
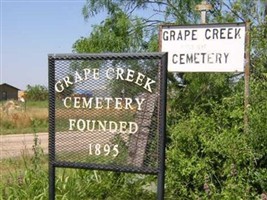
181 12
29 180
222 162
215 165
112 36
102 185
209 155
25 177
36 104
36 93
25 117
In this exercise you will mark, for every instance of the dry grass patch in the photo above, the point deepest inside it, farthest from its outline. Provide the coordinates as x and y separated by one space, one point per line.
23 121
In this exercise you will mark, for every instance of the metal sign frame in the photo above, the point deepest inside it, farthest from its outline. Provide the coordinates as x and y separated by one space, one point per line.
55 162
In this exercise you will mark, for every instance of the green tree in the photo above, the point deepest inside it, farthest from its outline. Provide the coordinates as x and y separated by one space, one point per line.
118 33
36 93
209 155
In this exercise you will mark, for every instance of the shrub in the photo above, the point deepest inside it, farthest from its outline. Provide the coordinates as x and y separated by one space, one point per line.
36 93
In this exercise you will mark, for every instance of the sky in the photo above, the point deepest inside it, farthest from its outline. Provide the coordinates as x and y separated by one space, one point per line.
32 29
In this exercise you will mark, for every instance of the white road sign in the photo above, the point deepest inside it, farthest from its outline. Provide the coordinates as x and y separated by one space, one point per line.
204 48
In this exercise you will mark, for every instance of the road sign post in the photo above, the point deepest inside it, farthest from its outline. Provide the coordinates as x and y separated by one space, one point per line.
204 7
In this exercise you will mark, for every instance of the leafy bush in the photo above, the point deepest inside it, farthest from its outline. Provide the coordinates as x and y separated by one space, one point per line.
27 178
36 93
210 156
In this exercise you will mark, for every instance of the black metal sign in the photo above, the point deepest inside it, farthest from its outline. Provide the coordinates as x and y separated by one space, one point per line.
107 112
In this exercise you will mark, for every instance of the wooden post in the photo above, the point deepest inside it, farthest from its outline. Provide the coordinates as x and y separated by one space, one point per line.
246 76
204 7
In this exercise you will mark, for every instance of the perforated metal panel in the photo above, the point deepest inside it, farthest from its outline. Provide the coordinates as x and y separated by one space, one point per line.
107 111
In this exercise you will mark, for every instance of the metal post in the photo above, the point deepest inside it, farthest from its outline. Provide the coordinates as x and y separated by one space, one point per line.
51 73
246 77
203 16
162 140
203 8
52 182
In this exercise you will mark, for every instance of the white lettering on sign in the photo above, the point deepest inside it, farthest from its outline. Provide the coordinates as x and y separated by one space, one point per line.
106 149
103 102
128 75
95 125
111 126
78 77
111 73
204 48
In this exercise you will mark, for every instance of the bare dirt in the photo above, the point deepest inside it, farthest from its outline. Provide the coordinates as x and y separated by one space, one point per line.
18 144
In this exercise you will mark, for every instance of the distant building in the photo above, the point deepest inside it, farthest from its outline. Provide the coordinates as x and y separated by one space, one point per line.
8 92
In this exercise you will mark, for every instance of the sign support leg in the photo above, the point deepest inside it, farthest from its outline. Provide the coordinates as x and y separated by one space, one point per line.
52 185
162 139
246 77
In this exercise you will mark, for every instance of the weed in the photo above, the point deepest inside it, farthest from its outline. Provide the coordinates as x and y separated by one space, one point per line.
27 178
21 121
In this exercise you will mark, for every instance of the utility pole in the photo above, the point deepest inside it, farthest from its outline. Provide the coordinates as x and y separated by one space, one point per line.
204 7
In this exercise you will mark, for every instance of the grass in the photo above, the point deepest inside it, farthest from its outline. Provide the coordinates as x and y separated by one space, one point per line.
24 118
37 104
35 113
26 177
26 181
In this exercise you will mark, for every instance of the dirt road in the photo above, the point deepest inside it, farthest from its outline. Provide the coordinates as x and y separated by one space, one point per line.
19 144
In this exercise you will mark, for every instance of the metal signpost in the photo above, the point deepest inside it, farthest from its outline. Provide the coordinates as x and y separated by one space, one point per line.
107 112
204 7
209 48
